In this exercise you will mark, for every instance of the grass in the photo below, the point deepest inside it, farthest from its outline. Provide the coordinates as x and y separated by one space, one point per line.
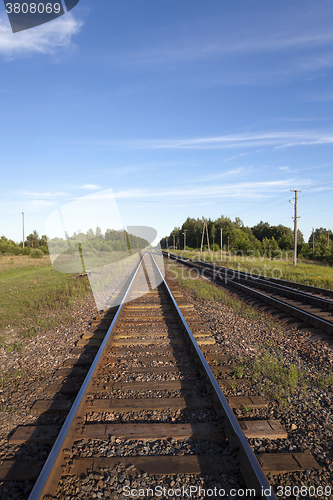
34 297
239 371
276 378
307 272
325 381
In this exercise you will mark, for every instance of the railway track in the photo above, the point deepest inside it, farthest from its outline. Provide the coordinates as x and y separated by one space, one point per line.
144 379
310 304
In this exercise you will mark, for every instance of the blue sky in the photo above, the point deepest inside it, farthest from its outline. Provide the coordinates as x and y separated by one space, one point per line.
182 107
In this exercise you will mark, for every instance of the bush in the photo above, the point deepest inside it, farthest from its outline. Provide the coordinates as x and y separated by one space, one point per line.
36 253
44 249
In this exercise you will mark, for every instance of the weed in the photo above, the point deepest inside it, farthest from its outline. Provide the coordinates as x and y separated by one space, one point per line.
293 377
276 378
239 371
325 381
14 347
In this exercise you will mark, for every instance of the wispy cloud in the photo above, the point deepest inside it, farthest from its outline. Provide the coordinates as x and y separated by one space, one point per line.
224 174
44 39
289 170
45 194
89 186
37 204
189 49
322 97
276 139
223 190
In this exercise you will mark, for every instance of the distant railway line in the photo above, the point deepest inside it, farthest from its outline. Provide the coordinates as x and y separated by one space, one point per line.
310 304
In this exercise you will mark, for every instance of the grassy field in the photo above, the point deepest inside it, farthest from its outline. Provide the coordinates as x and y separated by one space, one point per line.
306 272
34 297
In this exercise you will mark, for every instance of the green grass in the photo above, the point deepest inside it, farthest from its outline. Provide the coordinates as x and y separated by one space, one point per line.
325 381
34 297
276 378
306 272
239 371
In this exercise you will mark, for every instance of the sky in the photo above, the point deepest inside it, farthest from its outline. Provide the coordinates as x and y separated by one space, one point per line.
183 108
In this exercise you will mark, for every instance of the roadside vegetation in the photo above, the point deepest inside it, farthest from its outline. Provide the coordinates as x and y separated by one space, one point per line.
34 297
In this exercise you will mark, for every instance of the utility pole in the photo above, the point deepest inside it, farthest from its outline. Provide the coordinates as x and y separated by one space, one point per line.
184 233
202 237
313 241
295 224
174 242
23 226
221 243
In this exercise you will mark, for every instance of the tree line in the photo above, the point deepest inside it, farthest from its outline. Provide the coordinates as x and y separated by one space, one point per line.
32 241
262 239
96 241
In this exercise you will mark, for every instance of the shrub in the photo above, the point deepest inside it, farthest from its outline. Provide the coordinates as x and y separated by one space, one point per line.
44 249
36 253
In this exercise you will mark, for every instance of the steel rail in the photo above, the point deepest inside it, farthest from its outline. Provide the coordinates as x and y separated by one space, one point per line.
313 319
41 483
269 285
260 478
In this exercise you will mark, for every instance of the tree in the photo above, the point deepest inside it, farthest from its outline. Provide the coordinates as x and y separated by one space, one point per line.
33 239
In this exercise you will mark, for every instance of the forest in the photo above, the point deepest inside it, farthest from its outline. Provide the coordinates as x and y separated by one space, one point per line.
261 239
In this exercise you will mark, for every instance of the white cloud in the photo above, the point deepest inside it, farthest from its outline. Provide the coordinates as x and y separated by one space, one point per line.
44 39
38 196
190 49
278 139
89 186
232 190
36 204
